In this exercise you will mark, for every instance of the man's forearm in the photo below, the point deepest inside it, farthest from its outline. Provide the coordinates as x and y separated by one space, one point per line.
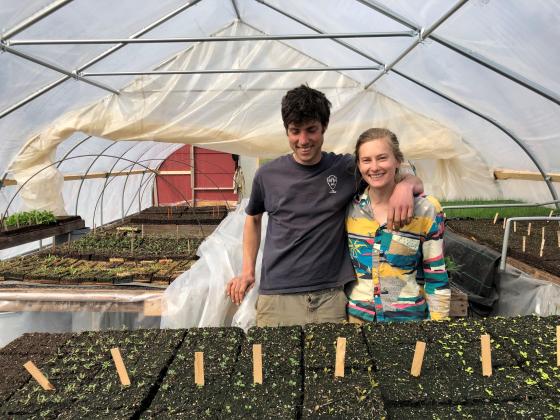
251 243
416 185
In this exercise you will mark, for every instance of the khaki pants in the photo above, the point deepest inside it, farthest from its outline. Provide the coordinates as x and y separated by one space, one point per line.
327 305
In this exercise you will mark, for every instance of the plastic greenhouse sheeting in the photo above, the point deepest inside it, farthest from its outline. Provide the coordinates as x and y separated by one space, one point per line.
54 309
456 118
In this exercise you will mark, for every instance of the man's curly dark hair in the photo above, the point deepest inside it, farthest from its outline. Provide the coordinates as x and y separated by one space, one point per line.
303 104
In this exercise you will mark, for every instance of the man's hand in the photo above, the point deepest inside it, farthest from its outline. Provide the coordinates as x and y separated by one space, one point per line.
401 203
238 287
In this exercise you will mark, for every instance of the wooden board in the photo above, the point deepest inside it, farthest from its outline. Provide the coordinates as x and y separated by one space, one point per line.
459 305
8 241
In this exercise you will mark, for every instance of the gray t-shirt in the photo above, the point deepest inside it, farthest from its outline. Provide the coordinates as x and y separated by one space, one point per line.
305 247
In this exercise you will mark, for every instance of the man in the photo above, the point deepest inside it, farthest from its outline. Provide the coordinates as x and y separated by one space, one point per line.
305 260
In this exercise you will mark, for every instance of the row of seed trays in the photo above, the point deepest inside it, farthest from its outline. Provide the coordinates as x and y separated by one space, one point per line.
495 368
129 245
180 215
51 269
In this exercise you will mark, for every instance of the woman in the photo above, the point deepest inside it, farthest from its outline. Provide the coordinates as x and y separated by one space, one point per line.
400 275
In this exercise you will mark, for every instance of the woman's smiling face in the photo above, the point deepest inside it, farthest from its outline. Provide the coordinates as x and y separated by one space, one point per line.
377 163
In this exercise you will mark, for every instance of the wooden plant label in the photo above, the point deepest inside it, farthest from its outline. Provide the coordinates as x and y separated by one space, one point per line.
558 345
504 225
515 226
496 217
558 236
142 230
529 229
199 368
551 213
542 248
524 242
119 364
542 232
486 355
38 376
257 364
418 358
340 356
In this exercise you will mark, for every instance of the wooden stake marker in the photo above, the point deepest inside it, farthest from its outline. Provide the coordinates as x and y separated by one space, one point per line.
496 217
199 368
340 356
524 241
38 376
529 229
257 364
543 233
418 358
542 248
558 345
121 368
486 355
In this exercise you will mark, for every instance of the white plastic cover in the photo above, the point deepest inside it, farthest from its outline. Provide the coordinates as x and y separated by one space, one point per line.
197 297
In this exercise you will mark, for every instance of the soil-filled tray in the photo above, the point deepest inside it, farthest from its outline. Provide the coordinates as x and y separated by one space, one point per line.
180 215
25 234
51 269
131 246
376 384
490 234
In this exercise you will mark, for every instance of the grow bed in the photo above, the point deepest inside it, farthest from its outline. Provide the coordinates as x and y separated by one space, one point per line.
25 234
130 246
490 234
298 380
50 269
180 215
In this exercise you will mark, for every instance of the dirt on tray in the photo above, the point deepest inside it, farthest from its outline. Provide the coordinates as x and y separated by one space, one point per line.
487 233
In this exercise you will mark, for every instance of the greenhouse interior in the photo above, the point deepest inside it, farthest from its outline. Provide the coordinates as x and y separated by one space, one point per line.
149 156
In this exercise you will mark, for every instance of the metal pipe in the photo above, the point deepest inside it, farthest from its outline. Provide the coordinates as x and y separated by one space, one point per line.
421 36
229 71
307 25
100 57
73 74
496 124
471 55
87 171
234 4
491 206
99 41
41 14
72 149
508 229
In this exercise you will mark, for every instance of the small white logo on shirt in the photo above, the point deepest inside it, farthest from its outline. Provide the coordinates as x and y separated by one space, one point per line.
331 181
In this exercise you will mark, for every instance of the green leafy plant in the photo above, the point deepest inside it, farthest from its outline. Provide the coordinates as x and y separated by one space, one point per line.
29 218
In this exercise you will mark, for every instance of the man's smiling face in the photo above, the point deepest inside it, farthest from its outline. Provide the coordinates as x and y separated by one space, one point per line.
306 140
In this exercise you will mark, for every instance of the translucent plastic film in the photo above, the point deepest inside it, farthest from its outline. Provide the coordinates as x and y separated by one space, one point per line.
198 298
241 114
71 309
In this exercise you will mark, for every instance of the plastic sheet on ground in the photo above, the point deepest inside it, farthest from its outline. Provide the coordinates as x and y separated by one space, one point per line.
520 294
56 309
197 298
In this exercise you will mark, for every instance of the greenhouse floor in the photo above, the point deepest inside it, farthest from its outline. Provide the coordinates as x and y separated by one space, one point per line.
490 234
